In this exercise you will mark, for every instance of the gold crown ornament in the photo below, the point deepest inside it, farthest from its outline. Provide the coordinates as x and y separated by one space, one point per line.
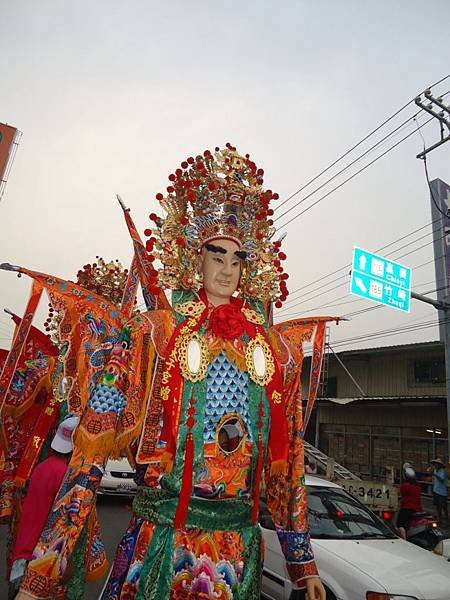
107 279
218 195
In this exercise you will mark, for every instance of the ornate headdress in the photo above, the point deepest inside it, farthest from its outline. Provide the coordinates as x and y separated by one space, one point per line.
107 279
218 195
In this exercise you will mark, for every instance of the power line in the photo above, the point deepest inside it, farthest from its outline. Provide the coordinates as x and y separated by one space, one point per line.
391 243
284 314
352 341
357 144
357 172
389 332
337 270
406 328
357 159
350 264
370 308
332 304
305 300
337 187
329 283
284 225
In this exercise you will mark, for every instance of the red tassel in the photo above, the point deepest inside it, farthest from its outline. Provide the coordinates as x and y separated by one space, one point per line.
258 471
186 484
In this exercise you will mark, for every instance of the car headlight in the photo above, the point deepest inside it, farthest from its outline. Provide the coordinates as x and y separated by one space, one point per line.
378 596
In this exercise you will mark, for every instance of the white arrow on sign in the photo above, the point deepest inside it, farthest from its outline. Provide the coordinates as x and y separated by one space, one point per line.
360 284
362 262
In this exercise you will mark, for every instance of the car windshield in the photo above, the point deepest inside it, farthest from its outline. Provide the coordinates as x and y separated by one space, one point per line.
335 514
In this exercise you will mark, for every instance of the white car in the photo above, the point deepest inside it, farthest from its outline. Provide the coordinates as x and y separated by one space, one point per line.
358 556
118 479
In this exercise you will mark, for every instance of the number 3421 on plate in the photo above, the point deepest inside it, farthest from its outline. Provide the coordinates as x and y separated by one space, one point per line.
374 494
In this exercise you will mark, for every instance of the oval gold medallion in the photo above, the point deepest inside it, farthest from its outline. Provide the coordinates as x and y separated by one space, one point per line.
193 357
259 360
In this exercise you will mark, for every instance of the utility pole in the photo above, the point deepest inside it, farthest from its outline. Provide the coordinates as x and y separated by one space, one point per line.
443 116
444 307
440 210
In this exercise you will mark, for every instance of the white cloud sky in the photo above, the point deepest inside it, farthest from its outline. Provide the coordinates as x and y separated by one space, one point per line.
112 96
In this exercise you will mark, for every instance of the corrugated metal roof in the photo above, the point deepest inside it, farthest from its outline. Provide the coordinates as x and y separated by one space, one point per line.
401 399
394 348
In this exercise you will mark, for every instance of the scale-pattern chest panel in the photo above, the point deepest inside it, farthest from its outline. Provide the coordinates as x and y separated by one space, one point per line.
226 392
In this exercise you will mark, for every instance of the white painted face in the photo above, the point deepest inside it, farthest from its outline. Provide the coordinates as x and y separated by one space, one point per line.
221 269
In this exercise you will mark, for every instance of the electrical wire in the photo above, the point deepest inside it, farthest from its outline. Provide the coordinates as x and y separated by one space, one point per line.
380 249
403 329
356 160
291 299
413 118
346 266
285 312
392 330
387 334
377 158
358 144
378 306
325 285
331 302
305 300
446 215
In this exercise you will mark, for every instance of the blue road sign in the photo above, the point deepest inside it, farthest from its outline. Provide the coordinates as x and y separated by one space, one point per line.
381 280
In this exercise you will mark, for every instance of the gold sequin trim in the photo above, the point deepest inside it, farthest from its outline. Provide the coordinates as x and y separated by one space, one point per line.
269 370
253 316
183 350
191 308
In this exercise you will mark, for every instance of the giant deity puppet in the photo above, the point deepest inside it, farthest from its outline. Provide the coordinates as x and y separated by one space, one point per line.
34 400
206 394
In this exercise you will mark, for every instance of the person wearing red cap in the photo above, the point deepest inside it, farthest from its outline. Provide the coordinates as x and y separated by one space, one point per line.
45 482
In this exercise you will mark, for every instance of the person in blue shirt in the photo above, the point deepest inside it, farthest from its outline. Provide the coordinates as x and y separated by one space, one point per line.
440 480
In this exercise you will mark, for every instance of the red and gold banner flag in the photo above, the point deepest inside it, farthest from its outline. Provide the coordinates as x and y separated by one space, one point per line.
18 344
7 135
296 332
154 296
130 290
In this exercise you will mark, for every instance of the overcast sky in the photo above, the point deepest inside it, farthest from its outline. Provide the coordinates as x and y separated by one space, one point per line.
112 96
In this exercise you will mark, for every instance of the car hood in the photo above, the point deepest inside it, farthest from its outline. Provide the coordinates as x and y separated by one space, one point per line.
121 465
399 567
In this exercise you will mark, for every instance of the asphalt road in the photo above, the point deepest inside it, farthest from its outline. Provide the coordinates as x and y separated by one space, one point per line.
114 517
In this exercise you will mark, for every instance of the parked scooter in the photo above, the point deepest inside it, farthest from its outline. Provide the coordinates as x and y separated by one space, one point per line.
420 528
423 530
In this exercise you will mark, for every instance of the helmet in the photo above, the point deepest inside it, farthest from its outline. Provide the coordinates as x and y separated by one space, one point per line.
408 471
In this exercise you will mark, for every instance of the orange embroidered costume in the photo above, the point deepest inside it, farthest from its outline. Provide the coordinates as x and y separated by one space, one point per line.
33 386
206 398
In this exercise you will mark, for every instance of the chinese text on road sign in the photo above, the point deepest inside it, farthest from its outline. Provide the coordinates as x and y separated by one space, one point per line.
381 280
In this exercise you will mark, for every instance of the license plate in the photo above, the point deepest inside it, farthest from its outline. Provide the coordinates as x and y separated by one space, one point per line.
375 495
124 487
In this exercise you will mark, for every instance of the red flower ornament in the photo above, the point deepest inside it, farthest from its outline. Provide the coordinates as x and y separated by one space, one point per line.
228 322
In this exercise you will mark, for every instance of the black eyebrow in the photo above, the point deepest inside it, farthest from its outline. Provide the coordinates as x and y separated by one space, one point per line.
241 254
216 249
